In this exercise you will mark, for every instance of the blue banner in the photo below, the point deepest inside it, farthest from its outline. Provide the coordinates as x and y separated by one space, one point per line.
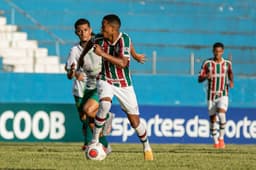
167 124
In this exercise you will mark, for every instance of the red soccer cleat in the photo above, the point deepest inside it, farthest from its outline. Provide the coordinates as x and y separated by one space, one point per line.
216 146
221 144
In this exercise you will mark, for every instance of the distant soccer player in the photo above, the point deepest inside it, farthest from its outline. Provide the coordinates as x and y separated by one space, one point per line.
218 72
115 79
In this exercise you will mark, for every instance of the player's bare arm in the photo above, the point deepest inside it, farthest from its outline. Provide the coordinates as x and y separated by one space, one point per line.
79 75
120 62
231 79
202 78
71 71
138 57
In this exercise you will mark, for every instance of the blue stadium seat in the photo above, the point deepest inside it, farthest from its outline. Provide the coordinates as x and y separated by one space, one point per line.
174 29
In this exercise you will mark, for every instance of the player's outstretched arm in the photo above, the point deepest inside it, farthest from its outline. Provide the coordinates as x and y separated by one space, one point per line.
79 75
203 77
120 62
204 73
231 79
138 57
71 71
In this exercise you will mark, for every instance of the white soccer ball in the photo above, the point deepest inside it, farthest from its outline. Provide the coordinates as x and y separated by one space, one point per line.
95 152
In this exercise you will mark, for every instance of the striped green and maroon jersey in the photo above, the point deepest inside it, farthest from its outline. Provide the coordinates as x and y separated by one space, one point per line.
218 84
111 73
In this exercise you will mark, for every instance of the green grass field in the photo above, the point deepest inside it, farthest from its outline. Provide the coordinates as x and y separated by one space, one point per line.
126 157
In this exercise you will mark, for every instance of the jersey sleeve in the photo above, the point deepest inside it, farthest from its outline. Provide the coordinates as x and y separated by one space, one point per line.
125 46
97 38
71 59
204 69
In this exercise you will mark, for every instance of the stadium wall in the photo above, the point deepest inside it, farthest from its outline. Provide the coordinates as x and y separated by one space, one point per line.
39 107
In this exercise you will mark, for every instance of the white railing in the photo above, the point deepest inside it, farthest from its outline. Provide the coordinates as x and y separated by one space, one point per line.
192 64
155 59
154 55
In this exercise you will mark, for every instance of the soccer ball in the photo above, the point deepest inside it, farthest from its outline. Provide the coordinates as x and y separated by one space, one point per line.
95 152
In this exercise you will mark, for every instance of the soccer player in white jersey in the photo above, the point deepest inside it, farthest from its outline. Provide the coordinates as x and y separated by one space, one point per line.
218 72
115 79
86 101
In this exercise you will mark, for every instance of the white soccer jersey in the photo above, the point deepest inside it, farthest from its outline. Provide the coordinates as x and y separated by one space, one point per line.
74 54
92 68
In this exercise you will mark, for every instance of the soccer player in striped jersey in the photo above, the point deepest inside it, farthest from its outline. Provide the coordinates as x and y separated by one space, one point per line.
115 80
85 82
218 72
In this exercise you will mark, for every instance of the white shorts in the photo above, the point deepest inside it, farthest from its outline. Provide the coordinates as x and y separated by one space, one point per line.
125 95
220 103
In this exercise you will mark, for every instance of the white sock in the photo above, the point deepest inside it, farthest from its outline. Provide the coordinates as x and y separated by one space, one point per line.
222 117
100 119
142 134
213 130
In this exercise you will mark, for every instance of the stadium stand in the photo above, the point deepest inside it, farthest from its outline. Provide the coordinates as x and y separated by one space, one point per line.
22 55
173 29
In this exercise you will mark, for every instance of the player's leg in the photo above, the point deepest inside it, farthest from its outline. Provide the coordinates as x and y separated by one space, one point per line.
222 106
108 124
102 138
128 101
142 134
85 124
87 133
105 105
105 94
214 130
213 123
91 107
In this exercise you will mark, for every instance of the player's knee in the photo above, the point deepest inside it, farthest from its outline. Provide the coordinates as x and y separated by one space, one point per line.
91 111
220 110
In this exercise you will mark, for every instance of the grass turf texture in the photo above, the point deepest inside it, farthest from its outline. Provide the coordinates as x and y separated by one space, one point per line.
126 157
